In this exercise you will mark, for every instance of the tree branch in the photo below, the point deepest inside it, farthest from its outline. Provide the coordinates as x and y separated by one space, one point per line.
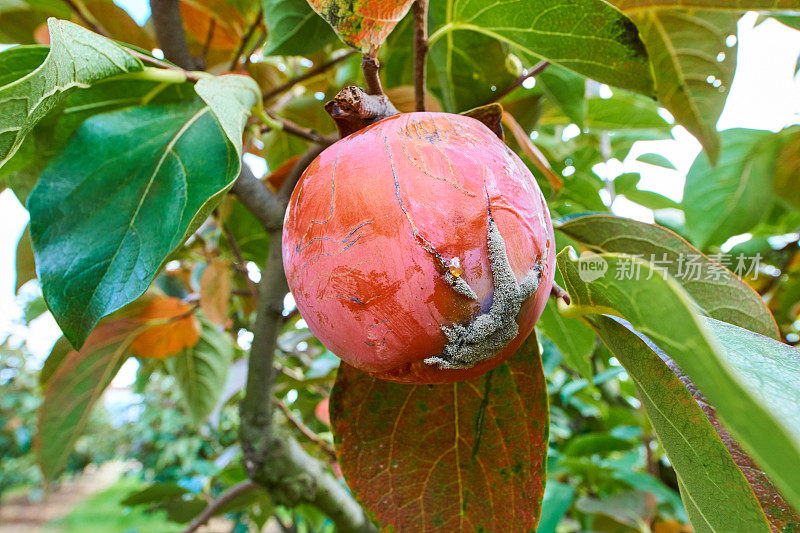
306 75
257 198
245 39
86 17
273 458
299 131
214 507
420 51
305 430
168 23
371 67
532 73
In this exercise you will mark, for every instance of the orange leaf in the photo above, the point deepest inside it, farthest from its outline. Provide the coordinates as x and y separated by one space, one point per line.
198 17
173 328
276 179
533 153
215 291
364 24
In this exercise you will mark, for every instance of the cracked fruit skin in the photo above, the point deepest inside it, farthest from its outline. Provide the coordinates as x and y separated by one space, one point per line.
383 221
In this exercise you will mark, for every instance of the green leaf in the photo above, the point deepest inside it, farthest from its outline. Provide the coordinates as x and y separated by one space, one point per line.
157 492
574 340
733 196
786 181
77 59
673 325
294 29
158 173
711 481
586 36
692 65
557 499
716 290
20 61
596 443
52 133
565 89
201 371
75 387
651 200
25 265
467 455
230 98
19 19
624 111
657 160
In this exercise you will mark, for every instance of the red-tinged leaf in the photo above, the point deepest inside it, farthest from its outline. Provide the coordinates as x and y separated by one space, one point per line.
467 456
172 328
277 178
363 24
74 388
198 17
215 291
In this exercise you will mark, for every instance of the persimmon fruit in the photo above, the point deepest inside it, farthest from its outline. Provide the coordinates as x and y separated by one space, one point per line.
419 248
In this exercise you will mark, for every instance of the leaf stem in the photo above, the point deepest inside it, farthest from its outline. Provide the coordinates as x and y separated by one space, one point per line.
420 51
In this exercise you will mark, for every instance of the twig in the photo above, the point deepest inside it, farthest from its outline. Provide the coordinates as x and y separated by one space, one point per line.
251 285
213 507
371 67
209 36
295 129
499 95
557 292
305 430
420 51
257 199
245 39
192 75
319 69
86 18
168 23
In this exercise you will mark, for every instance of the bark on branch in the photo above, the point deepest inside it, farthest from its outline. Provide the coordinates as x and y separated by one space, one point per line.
420 51
171 38
272 457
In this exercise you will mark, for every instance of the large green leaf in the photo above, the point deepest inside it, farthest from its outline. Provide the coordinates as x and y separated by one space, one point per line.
102 227
633 6
201 371
715 289
293 28
623 111
52 133
77 59
711 481
19 19
733 196
658 307
586 36
566 89
461 456
74 388
692 64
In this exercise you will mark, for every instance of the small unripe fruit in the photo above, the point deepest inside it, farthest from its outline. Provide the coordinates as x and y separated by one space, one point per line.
419 249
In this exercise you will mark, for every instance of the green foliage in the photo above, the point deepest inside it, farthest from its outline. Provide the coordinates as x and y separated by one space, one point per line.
125 168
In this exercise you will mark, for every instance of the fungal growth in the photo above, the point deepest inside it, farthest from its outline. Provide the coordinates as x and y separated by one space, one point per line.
490 332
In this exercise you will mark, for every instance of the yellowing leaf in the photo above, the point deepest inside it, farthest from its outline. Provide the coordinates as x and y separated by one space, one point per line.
363 24
173 328
215 291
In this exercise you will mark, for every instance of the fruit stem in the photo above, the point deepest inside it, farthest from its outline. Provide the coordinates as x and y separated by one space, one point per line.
353 109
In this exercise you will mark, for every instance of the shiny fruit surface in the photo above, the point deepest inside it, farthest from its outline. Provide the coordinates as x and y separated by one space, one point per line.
419 249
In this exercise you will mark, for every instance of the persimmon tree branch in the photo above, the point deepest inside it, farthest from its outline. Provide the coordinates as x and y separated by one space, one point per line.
171 38
245 39
371 67
272 457
420 51
532 73
214 507
322 67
